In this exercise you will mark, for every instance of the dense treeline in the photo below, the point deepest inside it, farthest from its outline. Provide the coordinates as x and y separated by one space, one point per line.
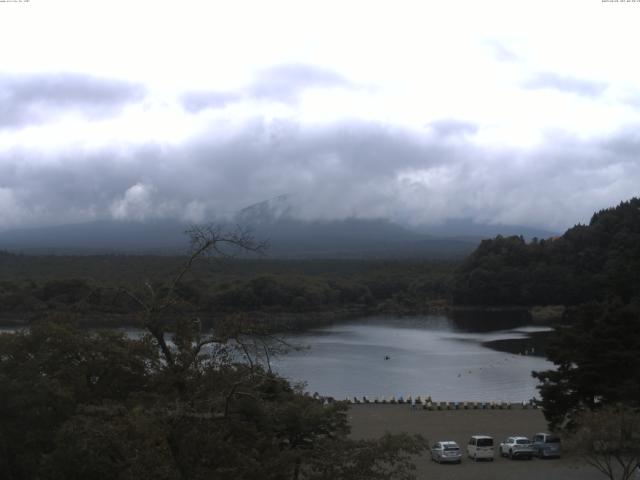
587 263
92 285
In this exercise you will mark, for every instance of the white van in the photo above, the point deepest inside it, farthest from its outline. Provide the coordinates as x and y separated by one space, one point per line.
479 447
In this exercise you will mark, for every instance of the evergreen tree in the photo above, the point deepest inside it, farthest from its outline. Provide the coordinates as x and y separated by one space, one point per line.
597 358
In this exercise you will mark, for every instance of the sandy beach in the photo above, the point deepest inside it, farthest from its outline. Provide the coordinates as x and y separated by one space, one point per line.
372 420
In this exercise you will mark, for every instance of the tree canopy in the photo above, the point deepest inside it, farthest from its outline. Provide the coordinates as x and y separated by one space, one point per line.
588 263
609 440
597 358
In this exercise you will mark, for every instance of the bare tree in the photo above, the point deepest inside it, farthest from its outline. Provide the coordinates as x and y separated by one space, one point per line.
156 301
609 439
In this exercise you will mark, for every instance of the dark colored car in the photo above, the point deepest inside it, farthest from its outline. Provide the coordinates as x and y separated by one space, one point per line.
546 445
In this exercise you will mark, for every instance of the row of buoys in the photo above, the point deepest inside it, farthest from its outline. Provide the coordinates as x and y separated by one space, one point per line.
426 403
392 399
528 351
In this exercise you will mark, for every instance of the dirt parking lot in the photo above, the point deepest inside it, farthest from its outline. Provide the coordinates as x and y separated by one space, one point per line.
372 420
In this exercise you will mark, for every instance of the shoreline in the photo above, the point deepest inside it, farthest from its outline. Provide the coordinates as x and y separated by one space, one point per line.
302 320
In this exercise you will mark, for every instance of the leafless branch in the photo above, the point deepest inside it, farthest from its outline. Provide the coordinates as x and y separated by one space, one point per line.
142 304
266 354
204 241
246 352
233 393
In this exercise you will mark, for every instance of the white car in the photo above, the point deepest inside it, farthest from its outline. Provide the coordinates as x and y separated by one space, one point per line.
480 446
517 447
446 451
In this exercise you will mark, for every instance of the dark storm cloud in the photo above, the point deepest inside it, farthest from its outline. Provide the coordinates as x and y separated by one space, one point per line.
578 86
281 83
33 98
349 169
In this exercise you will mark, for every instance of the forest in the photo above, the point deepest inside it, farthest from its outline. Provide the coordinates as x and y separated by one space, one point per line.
91 286
588 263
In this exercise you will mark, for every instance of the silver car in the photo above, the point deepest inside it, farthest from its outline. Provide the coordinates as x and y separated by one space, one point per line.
546 445
446 451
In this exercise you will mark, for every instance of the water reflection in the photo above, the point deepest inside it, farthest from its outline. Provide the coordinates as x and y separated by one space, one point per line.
452 358
488 320
447 358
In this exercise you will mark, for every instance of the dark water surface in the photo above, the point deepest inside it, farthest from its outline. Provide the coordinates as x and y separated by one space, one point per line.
470 356
450 359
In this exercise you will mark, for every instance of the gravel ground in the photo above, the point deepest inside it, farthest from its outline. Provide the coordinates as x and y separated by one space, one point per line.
374 420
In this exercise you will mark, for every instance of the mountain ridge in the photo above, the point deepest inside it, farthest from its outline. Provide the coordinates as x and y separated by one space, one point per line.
274 221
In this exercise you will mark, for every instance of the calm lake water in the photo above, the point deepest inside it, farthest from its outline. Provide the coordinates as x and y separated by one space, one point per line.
470 356
450 359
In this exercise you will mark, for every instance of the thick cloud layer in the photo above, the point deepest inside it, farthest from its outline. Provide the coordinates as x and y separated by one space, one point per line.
285 82
354 168
33 98
281 83
568 84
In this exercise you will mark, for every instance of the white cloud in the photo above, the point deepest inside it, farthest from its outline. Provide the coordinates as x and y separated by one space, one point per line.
11 210
135 204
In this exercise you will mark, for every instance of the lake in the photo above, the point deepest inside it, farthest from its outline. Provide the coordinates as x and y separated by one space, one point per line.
465 356
450 359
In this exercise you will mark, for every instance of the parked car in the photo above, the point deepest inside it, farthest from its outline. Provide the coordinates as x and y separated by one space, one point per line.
480 446
446 451
517 447
546 445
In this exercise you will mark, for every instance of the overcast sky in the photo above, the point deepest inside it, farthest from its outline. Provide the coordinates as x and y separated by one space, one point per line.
521 112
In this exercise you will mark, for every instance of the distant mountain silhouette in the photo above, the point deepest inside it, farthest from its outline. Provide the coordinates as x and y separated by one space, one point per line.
350 237
104 236
286 237
273 221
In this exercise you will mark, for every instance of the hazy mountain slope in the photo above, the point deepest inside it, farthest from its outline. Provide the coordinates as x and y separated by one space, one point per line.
467 228
272 220
99 236
353 238
287 237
